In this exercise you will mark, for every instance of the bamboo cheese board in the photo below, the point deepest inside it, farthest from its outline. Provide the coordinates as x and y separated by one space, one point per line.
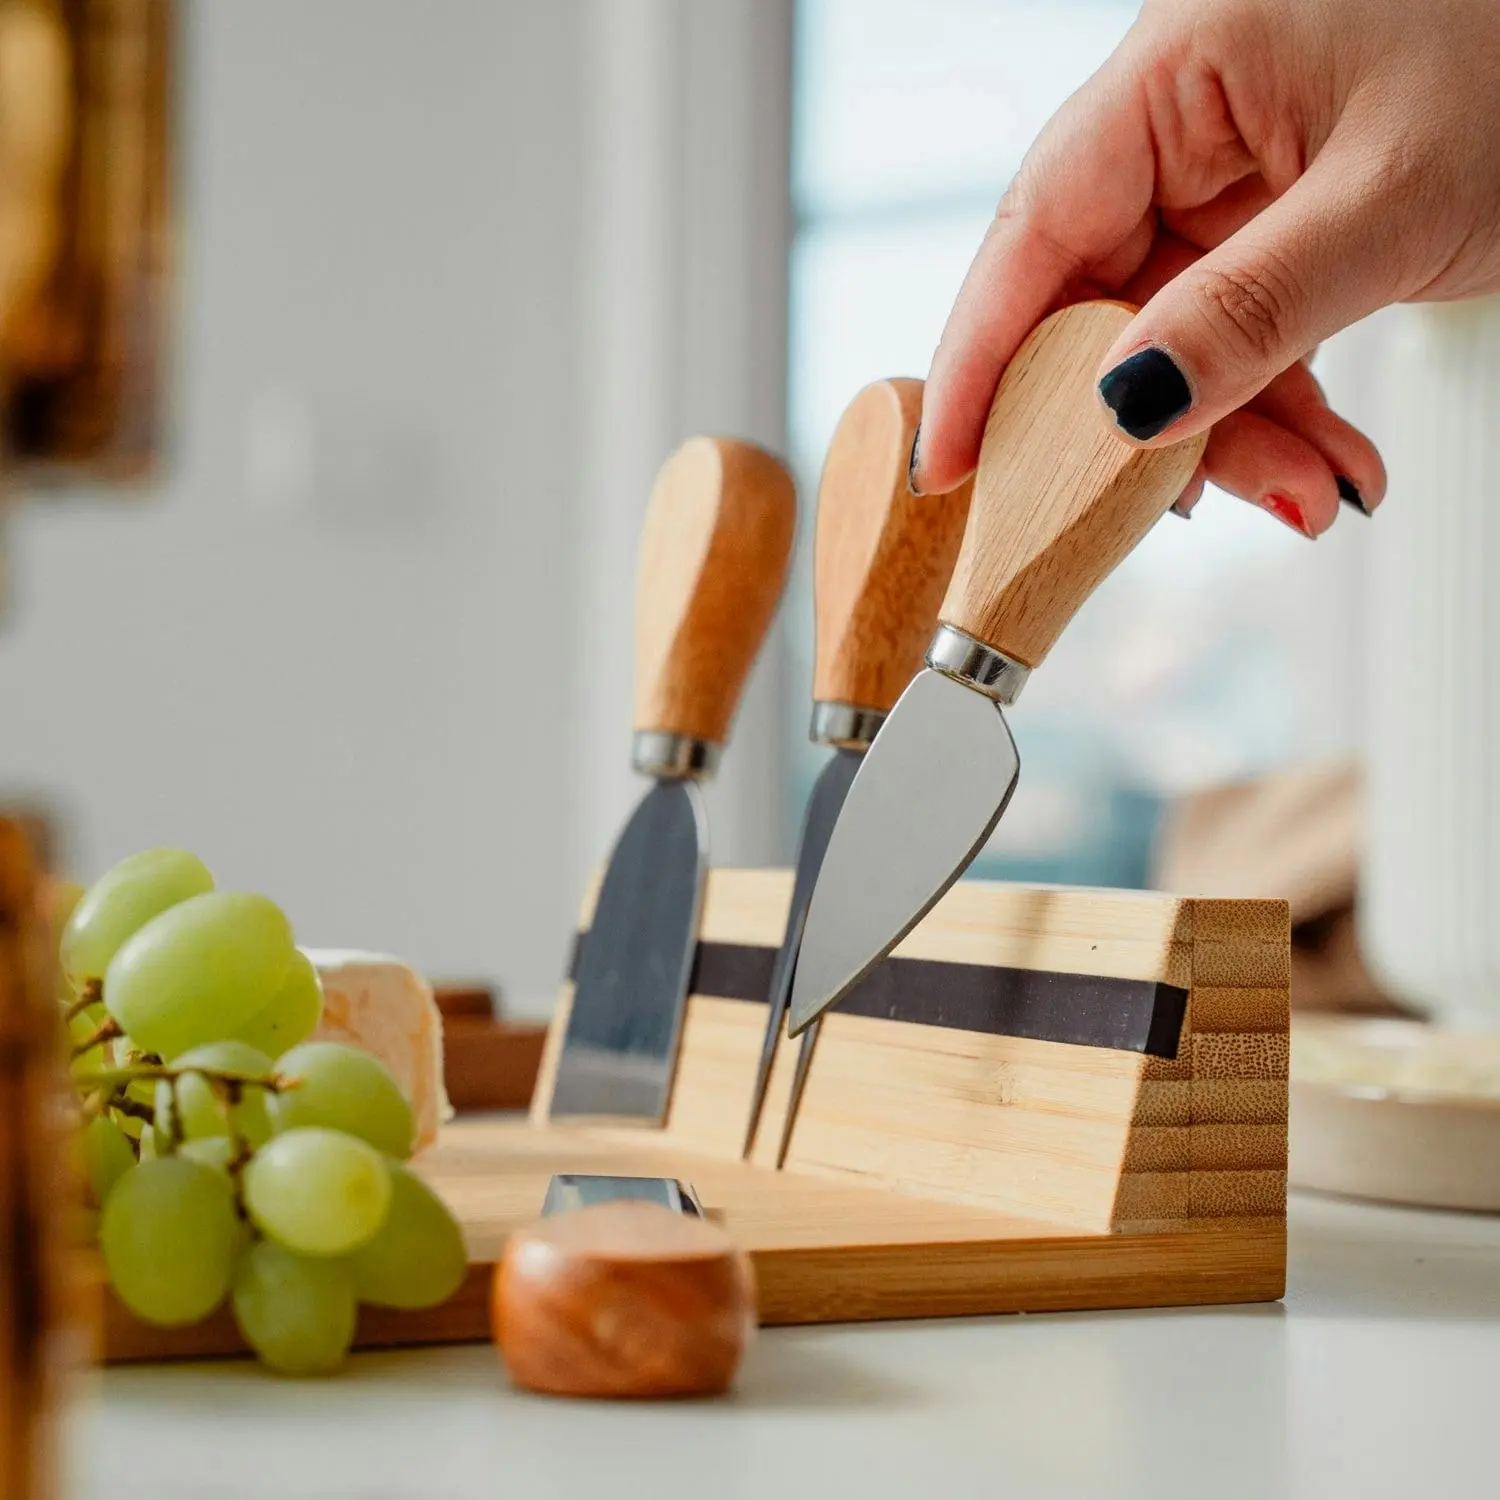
1046 1099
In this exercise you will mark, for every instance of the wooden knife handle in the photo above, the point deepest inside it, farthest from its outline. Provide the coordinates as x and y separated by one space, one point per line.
882 556
1059 496
713 562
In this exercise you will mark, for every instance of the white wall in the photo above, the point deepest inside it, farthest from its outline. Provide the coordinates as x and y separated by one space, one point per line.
688 231
325 654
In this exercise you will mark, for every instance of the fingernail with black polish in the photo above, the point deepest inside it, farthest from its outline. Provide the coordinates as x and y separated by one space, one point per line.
1146 392
1185 511
911 463
1350 495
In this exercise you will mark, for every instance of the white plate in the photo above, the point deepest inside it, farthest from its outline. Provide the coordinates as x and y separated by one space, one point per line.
1397 1111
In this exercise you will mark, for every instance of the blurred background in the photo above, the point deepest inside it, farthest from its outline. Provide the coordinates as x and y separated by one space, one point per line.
447 283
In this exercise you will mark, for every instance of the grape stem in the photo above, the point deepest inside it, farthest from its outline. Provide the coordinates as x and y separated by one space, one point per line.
92 994
107 1032
173 1136
105 1078
243 1151
123 1104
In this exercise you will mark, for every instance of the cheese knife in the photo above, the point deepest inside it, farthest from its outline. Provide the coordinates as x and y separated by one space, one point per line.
1059 500
713 561
881 559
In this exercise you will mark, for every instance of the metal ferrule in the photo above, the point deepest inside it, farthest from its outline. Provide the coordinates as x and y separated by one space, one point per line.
847 726
958 655
674 757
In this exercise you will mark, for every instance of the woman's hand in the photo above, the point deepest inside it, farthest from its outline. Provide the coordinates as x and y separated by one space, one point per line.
1258 174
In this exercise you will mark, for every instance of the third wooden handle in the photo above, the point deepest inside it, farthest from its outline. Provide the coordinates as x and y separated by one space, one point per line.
1059 497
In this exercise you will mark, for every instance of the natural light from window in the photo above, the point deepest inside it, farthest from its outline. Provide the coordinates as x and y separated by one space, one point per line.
910 118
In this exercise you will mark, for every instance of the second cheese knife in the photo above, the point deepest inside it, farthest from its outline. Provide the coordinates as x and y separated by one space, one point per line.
881 559
1059 500
713 560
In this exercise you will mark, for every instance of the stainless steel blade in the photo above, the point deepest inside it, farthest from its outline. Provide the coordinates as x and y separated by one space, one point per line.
828 794
930 791
620 1048
568 1191
799 1086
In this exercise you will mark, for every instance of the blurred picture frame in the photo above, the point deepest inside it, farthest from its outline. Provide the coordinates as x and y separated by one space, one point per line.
86 342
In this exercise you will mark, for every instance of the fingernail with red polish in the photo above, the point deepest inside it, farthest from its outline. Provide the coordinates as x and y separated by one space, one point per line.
911 463
1289 513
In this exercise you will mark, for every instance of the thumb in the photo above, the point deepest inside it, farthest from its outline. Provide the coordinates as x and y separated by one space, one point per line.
1323 255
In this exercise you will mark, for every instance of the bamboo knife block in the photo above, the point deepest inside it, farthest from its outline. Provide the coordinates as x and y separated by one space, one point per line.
1111 1062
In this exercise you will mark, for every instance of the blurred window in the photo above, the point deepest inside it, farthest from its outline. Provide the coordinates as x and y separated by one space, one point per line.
911 116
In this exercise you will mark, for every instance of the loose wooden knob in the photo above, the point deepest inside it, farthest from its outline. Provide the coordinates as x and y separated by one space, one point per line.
882 556
623 1299
713 562
1059 497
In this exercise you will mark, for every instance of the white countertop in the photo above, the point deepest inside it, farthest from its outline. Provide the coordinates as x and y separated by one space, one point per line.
1379 1376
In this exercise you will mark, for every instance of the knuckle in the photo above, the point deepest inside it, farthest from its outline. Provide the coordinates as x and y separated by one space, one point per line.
1251 307
1022 214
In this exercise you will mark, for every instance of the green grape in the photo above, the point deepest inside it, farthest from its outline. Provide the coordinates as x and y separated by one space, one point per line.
215 1151
343 1088
196 972
200 1109
317 1191
417 1259
122 901
169 1238
141 1090
138 1091
291 1015
147 1142
297 1313
107 1156
80 1028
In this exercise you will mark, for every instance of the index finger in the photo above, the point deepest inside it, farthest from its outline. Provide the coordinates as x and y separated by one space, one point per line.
1081 205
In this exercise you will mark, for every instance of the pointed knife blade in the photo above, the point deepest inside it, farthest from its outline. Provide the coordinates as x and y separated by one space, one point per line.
828 793
925 801
881 559
1060 498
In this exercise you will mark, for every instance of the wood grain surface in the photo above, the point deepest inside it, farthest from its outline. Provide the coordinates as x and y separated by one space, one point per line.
1060 497
623 1299
714 552
883 555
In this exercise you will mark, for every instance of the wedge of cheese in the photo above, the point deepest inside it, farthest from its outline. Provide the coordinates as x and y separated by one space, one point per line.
386 1007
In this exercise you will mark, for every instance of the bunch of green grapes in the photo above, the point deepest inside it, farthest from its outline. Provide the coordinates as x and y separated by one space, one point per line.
225 1155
